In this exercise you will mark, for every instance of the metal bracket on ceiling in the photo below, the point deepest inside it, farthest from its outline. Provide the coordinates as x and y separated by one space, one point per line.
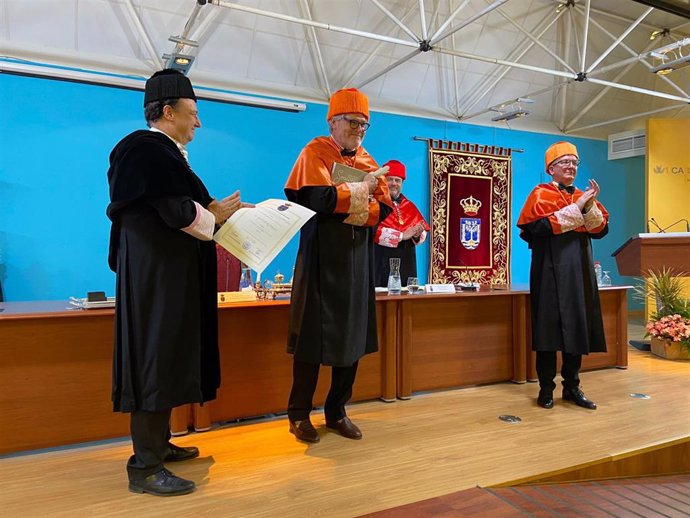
425 46
581 77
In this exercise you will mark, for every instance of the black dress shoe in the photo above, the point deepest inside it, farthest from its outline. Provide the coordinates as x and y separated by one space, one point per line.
162 483
345 427
304 431
178 453
576 396
545 399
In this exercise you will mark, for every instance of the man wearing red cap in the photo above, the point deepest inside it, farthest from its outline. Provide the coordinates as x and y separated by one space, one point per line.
399 234
558 221
333 307
166 329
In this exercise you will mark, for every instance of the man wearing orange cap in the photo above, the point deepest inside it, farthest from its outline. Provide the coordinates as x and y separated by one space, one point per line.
332 311
399 234
558 221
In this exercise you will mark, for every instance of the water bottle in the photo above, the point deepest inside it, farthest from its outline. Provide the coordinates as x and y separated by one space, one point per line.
246 280
394 283
597 272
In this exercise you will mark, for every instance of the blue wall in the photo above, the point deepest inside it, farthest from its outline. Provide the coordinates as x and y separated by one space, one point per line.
56 137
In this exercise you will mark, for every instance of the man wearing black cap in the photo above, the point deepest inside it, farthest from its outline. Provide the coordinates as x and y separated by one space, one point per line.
161 248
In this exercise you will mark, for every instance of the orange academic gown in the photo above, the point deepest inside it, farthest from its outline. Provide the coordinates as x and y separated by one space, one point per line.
332 309
566 313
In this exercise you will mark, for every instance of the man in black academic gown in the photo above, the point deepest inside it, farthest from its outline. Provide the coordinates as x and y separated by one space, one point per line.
333 306
558 221
166 329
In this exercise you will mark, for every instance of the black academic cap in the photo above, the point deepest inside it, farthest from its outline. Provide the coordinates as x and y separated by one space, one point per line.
168 84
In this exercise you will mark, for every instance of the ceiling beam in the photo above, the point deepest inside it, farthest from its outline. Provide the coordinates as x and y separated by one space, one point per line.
620 39
389 68
465 23
422 20
536 41
487 85
153 54
316 52
318 25
583 54
593 101
627 117
642 60
449 20
398 22
670 6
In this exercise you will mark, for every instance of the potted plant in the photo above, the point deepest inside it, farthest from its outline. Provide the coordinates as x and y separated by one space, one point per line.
669 326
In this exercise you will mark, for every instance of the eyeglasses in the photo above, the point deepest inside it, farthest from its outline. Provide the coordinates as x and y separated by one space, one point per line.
564 163
354 124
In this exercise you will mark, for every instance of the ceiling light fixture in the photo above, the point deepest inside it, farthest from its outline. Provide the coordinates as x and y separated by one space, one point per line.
509 116
516 112
181 62
669 57
659 32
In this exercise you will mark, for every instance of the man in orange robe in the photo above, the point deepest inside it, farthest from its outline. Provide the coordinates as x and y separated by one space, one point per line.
333 307
558 222
400 233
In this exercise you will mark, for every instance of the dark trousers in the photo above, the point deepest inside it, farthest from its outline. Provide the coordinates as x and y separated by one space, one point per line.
150 438
304 379
570 370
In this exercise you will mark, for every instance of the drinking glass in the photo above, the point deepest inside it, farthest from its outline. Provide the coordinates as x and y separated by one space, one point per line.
606 279
412 285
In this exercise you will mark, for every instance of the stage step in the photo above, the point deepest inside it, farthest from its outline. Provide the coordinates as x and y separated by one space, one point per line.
649 497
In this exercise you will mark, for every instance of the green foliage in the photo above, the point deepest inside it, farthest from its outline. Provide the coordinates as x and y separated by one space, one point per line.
665 287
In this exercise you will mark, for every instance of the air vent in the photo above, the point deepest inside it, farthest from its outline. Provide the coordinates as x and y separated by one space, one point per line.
627 144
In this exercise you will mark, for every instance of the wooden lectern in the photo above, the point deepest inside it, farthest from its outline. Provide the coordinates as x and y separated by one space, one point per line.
645 252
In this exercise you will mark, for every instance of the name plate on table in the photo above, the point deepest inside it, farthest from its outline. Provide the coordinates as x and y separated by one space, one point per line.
236 296
440 288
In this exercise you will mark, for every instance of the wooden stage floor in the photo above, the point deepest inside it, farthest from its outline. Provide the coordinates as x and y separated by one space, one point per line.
434 444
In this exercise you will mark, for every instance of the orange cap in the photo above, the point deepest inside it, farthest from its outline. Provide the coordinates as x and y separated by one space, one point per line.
558 150
395 168
348 100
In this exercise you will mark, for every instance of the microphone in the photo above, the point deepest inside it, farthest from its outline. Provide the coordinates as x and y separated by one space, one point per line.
687 225
653 222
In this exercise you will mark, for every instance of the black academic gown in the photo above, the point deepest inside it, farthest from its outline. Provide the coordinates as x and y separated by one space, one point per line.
166 329
564 296
333 304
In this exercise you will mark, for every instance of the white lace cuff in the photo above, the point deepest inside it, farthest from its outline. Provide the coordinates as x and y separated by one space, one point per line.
569 218
203 224
389 237
359 197
593 218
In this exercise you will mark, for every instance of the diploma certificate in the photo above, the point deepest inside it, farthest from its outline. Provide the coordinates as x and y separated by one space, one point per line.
256 235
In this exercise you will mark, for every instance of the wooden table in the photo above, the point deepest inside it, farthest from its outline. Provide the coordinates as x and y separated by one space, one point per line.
55 370
473 338
55 362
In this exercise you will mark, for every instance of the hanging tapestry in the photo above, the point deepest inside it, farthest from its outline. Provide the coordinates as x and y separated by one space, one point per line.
470 213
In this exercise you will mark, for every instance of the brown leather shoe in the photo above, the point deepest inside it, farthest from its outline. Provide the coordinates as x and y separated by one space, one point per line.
304 431
346 428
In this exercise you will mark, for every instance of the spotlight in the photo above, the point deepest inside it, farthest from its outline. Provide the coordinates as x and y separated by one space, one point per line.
670 66
181 62
666 64
509 116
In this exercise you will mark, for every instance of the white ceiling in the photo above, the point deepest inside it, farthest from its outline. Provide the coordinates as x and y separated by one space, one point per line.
245 47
